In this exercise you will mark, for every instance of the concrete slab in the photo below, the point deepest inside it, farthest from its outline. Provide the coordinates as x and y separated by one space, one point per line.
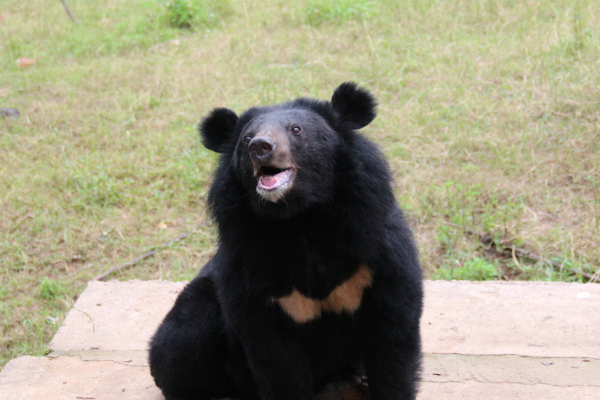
484 340
69 378
492 318
524 318
116 315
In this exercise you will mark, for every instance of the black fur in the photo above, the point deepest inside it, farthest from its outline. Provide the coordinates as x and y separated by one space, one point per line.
219 128
226 337
354 106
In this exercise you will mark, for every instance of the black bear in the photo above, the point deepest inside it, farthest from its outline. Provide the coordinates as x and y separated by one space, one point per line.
316 278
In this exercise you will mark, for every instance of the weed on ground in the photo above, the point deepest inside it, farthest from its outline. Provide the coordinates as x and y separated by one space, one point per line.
489 115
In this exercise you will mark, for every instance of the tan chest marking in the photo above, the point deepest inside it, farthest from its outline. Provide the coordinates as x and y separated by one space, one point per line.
346 297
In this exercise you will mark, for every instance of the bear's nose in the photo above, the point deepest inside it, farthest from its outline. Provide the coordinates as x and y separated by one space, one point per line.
261 147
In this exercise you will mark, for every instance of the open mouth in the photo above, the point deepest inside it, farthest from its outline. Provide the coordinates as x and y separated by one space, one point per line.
271 178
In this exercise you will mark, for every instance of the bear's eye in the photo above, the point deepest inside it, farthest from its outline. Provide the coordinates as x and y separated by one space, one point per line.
247 138
296 129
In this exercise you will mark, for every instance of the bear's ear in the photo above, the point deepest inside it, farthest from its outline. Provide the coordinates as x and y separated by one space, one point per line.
355 106
217 129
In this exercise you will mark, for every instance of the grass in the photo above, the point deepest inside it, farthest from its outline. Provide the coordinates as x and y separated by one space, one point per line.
489 116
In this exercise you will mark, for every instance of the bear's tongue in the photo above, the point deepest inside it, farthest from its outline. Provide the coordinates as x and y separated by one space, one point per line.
271 182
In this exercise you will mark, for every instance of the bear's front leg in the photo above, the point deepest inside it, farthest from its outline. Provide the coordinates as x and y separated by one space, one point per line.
391 343
280 369
188 353
279 366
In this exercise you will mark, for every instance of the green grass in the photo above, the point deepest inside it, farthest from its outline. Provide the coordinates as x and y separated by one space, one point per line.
338 11
190 14
489 115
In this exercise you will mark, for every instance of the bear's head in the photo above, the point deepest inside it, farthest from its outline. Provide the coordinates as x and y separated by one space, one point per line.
286 156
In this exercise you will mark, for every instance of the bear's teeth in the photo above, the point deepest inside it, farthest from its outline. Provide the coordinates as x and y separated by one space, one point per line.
272 182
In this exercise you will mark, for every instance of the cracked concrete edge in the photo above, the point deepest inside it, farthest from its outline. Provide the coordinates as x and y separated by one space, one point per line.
109 375
469 390
551 371
125 357
441 368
